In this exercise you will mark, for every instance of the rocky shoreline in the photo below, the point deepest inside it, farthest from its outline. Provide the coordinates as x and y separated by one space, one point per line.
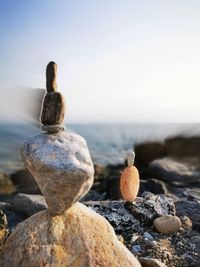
170 171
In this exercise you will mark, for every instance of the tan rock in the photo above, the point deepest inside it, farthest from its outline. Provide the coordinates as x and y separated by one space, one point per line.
129 183
78 238
167 224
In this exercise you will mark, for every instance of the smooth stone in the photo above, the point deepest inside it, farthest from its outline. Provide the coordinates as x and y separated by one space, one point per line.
129 183
62 167
151 262
167 224
77 238
53 110
53 128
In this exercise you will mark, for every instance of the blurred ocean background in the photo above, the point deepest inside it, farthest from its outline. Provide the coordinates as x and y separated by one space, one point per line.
107 142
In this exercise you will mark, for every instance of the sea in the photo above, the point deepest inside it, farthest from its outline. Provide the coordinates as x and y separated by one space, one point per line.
107 143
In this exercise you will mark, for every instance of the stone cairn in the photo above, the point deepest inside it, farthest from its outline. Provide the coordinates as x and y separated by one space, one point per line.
68 233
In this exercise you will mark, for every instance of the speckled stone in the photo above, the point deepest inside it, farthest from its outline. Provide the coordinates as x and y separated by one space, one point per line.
62 167
77 238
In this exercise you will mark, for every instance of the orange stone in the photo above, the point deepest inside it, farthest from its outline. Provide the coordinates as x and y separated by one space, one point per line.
129 183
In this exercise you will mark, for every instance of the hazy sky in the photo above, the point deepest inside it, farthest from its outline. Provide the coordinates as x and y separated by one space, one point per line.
118 60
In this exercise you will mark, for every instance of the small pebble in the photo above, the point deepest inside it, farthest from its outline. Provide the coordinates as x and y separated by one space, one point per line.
134 238
136 249
167 224
148 236
186 223
154 243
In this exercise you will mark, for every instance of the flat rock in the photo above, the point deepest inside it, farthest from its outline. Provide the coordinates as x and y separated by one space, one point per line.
53 128
167 224
150 206
127 217
77 238
62 167
151 262
170 170
27 204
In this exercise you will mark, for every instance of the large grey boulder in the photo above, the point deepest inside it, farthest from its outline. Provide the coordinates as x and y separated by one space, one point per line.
170 170
62 167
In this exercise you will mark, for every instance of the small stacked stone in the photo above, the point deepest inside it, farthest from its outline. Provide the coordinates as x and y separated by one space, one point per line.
53 110
130 180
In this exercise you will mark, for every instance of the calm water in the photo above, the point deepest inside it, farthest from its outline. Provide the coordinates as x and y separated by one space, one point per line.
107 143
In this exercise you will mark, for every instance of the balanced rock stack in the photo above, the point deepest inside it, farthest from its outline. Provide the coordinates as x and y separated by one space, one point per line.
68 233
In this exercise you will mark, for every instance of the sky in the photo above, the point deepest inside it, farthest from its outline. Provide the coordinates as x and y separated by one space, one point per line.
119 61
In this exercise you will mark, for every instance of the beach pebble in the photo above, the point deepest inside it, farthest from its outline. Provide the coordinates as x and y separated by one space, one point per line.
167 224
129 183
151 262
62 167
148 236
134 238
136 249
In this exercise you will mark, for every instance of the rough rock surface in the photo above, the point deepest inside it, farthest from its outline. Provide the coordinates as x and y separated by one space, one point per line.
127 217
78 238
62 167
